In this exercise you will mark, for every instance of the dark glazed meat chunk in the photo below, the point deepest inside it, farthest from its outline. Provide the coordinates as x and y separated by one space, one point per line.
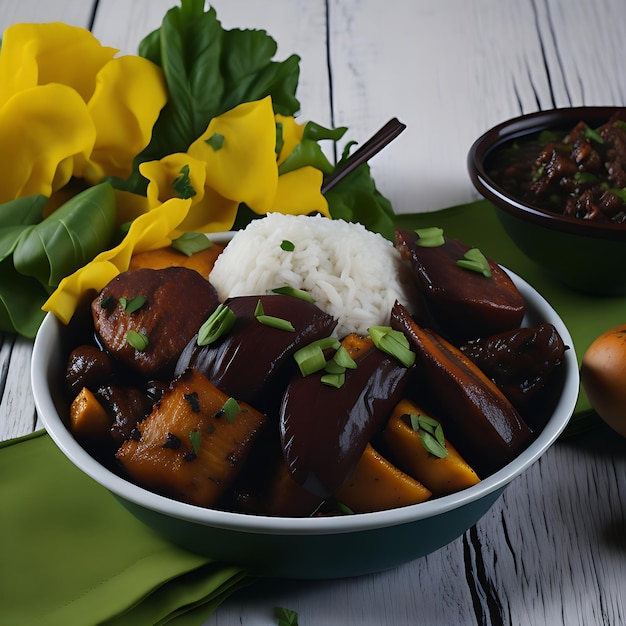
144 318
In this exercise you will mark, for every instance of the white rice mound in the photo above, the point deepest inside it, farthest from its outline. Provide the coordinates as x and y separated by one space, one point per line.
353 274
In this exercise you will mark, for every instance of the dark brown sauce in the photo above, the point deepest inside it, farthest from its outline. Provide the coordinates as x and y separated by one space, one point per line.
579 173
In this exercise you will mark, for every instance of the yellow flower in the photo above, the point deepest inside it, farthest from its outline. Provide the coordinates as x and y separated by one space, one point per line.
149 231
180 175
67 101
130 93
292 133
38 142
37 54
298 193
239 150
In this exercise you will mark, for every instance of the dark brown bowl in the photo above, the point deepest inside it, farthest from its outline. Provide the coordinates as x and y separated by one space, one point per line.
586 255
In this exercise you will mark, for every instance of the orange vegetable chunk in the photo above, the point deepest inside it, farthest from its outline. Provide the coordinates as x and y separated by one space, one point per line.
376 485
441 475
189 448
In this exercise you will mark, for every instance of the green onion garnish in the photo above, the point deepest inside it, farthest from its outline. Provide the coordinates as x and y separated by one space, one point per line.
133 304
393 343
231 410
310 358
343 359
182 184
288 290
334 380
431 434
430 237
218 323
590 133
139 341
190 243
287 245
269 320
476 261
216 141
196 440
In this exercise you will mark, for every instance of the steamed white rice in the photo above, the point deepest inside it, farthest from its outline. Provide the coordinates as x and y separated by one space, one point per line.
353 274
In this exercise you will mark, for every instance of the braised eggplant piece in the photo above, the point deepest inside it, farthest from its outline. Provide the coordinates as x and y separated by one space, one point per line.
521 363
87 366
460 303
324 430
126 406
476 416
252 361
144 318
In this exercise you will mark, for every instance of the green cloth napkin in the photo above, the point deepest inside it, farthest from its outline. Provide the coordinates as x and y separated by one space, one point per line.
585 316
70 554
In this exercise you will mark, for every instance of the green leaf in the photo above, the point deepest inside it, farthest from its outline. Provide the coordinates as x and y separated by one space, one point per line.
210 70
68 238
190 243
356 199
21 299
16 218
285 617
182 184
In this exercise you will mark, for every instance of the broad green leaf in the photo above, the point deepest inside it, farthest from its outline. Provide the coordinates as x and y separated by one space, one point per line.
21 299
209 71
68 238
356 199
16 217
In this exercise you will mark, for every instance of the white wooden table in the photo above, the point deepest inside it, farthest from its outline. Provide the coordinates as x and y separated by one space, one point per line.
553 549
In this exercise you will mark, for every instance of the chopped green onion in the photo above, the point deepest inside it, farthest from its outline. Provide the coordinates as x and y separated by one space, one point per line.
132 305
190 243
430 237
310 358
342 358
196 440
218 324
269 320
476 261
620 193
590 133
231 410
216 141
393 343
139 341
182 184
288 290
431 434
585 178
287 245
334 380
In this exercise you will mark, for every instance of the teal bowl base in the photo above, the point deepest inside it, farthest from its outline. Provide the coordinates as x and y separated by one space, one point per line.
589 265
327 556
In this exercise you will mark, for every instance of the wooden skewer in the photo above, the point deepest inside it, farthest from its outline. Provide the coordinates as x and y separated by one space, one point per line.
371 147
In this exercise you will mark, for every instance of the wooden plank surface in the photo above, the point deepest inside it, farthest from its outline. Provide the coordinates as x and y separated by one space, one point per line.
551 550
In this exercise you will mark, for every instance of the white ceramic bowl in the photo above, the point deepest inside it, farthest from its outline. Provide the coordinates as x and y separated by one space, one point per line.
327 547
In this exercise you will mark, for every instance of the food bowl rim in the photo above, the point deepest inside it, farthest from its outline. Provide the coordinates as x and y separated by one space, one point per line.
521 126
47 340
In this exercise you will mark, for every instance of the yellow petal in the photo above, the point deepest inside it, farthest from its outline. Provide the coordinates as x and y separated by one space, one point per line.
299 193
38 54
209 211
292 133
40 129
244 168
149 231
164 174
129 95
